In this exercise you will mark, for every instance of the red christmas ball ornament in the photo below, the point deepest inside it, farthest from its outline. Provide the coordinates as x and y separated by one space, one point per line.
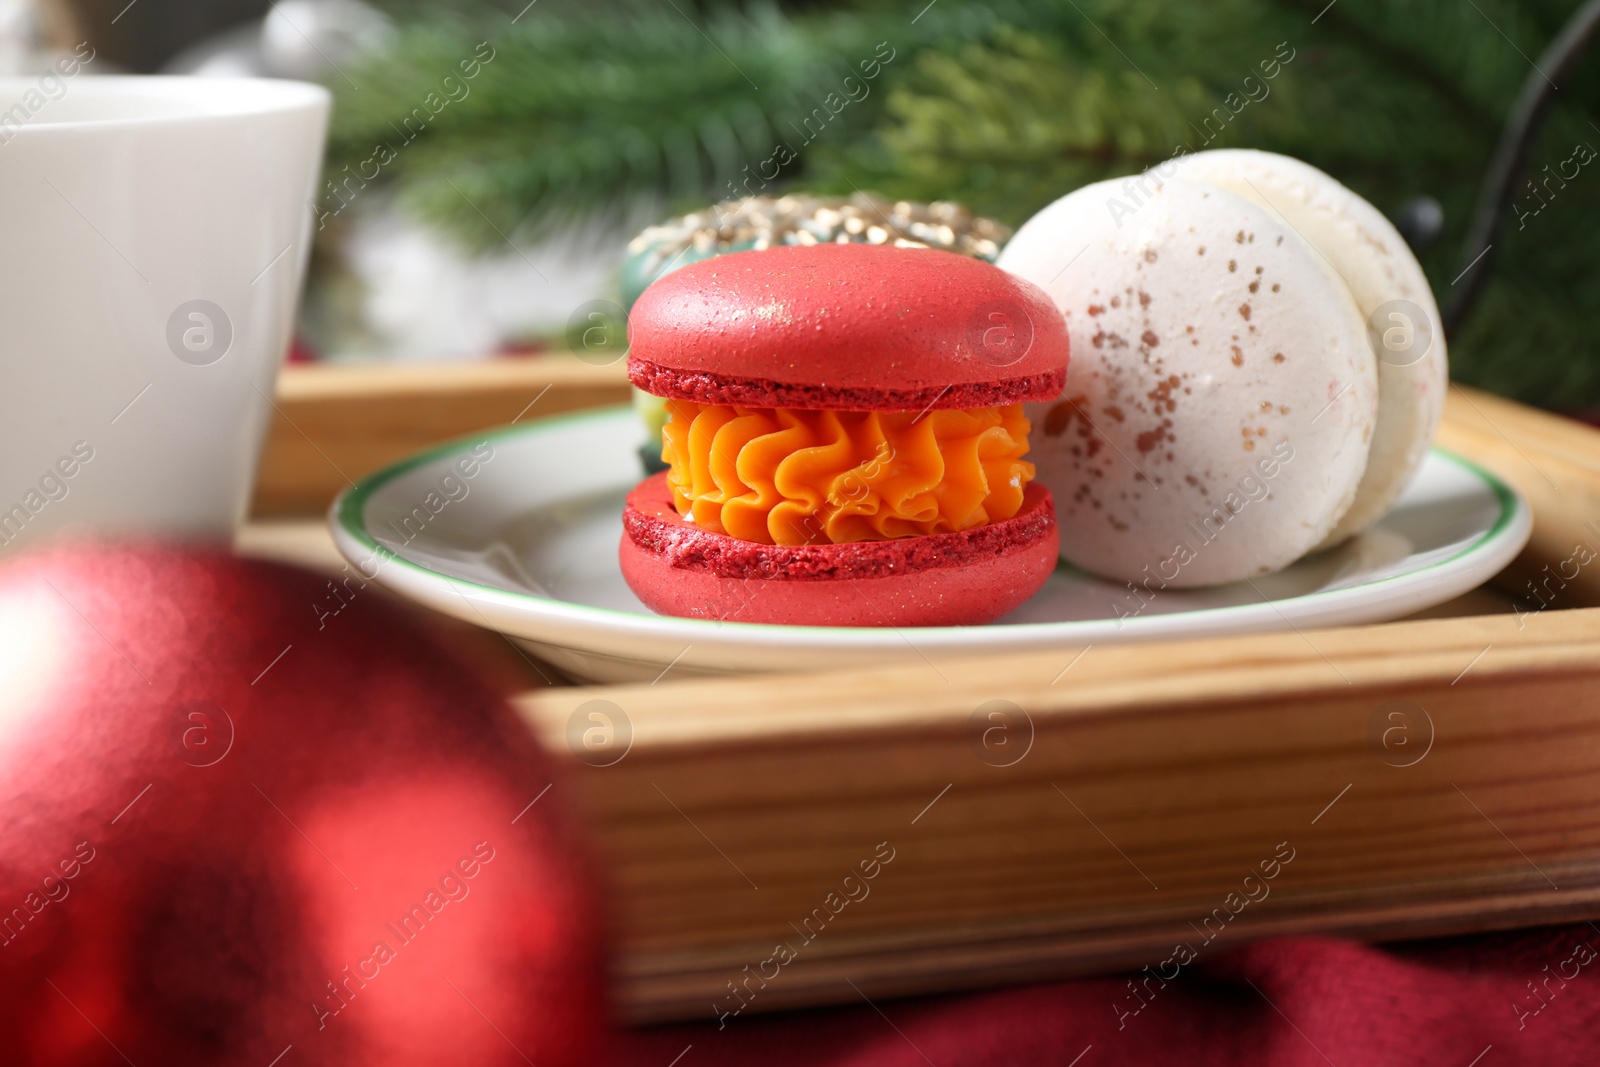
238 828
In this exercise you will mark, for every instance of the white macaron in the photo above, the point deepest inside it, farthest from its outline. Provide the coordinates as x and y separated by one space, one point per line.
1387 283
1222 394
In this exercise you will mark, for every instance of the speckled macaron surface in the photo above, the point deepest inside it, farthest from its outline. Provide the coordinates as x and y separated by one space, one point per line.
1222 396
1388 285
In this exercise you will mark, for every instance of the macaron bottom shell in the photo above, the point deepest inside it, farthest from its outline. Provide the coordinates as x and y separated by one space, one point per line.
968 578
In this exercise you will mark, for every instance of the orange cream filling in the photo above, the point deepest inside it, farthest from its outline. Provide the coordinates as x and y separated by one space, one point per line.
792 477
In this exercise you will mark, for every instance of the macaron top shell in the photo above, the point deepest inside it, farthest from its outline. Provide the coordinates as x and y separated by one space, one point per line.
847 326
1222 395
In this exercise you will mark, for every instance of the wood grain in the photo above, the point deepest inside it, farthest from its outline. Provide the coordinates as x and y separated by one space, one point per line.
335 424
1555 464
1151 780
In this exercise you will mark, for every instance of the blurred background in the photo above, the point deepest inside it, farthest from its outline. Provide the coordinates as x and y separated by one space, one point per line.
489 162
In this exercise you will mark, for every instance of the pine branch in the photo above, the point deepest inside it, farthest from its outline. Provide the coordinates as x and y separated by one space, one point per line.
1006 106
572 116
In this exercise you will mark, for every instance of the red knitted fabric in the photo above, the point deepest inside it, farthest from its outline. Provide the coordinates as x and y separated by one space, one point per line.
1293 1002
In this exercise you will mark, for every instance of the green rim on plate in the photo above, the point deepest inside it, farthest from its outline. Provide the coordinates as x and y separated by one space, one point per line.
348 508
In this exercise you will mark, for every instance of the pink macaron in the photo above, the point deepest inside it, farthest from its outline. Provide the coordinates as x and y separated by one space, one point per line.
844 438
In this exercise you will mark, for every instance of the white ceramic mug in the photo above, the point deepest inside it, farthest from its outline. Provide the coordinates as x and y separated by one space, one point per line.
153 238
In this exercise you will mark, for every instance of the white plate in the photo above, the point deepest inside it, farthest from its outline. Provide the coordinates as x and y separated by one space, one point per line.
528 546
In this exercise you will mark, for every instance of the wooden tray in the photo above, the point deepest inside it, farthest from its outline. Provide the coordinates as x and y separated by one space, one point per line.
1428 776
